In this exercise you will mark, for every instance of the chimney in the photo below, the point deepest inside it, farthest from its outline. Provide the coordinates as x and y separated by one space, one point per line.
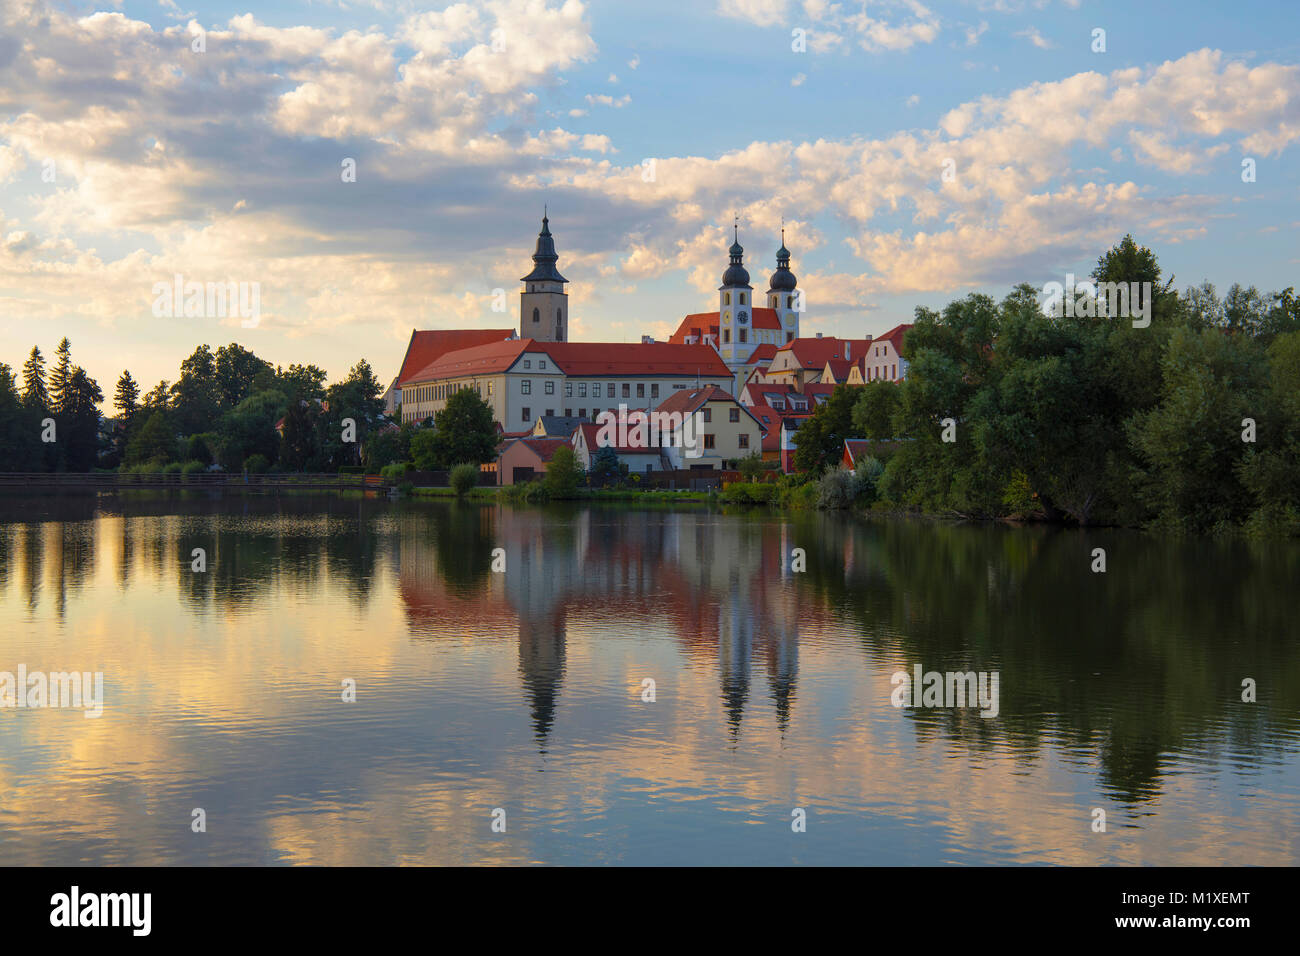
847 346
819 335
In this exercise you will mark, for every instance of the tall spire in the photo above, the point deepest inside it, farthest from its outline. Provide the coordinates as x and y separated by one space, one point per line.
545 257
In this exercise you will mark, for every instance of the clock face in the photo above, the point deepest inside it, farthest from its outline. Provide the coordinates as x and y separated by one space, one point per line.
742 316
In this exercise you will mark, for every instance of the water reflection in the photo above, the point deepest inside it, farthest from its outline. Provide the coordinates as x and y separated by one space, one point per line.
522 689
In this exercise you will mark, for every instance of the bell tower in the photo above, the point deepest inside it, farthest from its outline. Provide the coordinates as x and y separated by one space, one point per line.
735 307
782 295
544 305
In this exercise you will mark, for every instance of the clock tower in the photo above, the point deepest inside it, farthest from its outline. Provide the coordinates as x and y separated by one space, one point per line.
735 307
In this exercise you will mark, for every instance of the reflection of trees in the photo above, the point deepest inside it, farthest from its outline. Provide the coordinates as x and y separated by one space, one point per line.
1134 664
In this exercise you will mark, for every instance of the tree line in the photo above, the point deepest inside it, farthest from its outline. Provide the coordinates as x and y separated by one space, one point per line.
1191 423
220 412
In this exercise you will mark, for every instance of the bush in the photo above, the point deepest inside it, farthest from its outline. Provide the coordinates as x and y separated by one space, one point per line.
838 489
193 468
563 473
352 469
753 467
172 469
526 492
397 469
749 493
256 464
464 477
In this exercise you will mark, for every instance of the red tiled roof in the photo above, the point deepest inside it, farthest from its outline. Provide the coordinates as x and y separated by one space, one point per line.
814 353
855 447
707 323
477 360
762 353
769 419
840 368
820 388
635 358
544 448
895 336
590 433
428 346
687 400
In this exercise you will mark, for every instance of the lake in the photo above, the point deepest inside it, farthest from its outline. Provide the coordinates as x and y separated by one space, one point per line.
519 699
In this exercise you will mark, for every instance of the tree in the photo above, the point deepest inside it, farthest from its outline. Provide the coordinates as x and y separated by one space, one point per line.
605 468
464 430
236 371
126 399
60 375
563 473
820 442
873 412
19 428
195 397
424 450
35 392
79 421
154 442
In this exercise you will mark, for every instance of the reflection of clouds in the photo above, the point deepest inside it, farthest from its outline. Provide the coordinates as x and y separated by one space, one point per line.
523 691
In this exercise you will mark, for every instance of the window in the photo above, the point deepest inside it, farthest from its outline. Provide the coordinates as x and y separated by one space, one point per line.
640 389
489 389
541 363
595 389
654 390
528 363
744 440
787 302
742 298
550 413
726 298
733 414
527 413
789 336
582 413
537 315
550 388
568 413
726 336
582 390
526 387
568 390
627 390
708 441
708 414
744 335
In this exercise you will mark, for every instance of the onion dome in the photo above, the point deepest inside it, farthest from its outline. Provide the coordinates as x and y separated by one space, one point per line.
736 274
544 258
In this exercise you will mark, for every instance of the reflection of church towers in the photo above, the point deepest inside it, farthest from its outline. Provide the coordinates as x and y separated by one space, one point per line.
541 663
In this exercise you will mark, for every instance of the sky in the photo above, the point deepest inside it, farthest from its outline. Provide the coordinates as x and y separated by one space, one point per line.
915 153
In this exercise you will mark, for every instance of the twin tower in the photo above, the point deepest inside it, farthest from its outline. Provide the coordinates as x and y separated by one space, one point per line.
544 305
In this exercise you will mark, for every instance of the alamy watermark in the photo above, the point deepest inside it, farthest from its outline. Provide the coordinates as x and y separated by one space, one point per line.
640 429
81 689
946 689
1099 300
208 300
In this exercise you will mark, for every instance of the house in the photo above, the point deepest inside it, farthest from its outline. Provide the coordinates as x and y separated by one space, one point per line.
802 361
722 429
837 371
425 348
818 393
523 379
770 420
781 397
884 359
789 426
526 458
638 455
555 426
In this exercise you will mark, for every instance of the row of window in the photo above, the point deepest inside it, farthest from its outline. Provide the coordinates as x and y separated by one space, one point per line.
876 371
526 388
438 393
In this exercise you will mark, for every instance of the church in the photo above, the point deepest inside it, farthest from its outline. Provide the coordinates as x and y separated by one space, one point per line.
745 334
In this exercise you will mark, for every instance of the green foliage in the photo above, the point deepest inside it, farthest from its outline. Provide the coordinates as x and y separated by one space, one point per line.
257 464
464 430
563 474
749 493
397 469
605 468
425 450
193 468
838 490
526 492
874 409
752 467
464 477
820 439
154 442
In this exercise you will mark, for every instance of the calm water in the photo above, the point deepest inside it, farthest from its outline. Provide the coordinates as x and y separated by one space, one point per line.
523 690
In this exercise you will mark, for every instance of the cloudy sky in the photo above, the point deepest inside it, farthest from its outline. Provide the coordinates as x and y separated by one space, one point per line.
128 156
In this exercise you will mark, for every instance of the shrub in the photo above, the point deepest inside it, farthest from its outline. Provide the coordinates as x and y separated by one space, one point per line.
193 468
563 473
838 489
397 469
172 469
526 492
256 464
753 467
749 493
464 477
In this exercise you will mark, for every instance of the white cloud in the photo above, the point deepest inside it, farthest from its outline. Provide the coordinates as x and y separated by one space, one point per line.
1033 36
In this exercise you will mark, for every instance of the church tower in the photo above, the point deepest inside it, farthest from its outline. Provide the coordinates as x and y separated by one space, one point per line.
781 294
544 305
735 307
